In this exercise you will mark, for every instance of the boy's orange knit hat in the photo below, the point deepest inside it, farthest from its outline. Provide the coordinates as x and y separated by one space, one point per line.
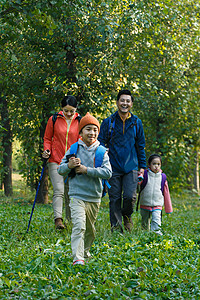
88 119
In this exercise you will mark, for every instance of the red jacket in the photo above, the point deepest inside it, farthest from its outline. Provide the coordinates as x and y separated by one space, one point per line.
60 137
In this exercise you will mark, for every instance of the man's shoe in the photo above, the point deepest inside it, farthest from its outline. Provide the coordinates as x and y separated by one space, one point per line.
59 224
128 223
117 228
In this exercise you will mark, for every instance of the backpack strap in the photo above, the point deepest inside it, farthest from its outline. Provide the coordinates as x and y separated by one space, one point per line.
98 160
74 148
164 178
145 180
135 127
111 126
106 185
99 154
54 118
78 118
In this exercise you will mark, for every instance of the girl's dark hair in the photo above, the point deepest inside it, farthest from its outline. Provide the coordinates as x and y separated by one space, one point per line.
69 100
151 157
124 92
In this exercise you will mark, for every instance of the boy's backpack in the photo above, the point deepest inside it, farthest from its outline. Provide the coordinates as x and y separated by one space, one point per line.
112 126
98 160
144 182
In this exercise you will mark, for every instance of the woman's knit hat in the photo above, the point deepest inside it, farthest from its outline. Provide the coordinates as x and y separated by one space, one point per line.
88 119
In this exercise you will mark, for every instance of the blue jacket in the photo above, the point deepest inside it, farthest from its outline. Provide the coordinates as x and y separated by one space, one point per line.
126 145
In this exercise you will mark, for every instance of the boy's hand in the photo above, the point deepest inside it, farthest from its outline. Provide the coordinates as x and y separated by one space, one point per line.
74 162
81 170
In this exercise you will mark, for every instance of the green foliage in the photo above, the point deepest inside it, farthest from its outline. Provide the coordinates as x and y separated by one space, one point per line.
92 49
140 265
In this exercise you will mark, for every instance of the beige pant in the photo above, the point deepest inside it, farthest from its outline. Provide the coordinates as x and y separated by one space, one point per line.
58 189
83 216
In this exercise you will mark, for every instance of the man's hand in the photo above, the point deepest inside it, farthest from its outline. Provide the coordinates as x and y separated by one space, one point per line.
74 162
141 172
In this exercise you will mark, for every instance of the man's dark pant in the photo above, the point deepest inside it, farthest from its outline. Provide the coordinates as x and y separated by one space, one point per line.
122 195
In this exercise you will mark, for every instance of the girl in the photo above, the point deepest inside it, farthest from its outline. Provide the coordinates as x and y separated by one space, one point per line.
154 194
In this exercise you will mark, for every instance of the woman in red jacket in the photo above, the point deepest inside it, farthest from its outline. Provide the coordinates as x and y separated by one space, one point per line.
58 138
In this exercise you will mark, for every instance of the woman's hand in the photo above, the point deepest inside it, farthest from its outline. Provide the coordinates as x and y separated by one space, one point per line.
46 154
74 162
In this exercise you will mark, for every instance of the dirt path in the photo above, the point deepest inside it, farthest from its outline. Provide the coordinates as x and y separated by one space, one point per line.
16 177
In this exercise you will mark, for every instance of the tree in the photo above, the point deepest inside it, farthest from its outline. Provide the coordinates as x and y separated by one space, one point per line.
158 46
93 49
7 147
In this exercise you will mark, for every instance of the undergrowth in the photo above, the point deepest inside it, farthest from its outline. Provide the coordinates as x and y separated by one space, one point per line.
140 265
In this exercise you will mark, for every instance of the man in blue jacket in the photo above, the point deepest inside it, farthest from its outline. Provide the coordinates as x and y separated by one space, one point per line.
123 134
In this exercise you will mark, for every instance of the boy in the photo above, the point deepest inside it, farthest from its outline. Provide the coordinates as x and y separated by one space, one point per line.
85 188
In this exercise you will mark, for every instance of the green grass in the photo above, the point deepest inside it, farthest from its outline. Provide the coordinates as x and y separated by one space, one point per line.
140 265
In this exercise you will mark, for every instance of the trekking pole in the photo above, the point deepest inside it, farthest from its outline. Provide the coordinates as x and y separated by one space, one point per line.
43 167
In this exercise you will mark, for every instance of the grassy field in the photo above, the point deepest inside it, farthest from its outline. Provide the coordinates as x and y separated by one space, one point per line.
140 265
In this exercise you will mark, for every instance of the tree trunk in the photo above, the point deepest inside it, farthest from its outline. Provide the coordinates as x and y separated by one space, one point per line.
1 182
159 136
196 175
7 148
70 55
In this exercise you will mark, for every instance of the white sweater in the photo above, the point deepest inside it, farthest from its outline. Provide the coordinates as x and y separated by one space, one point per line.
152 195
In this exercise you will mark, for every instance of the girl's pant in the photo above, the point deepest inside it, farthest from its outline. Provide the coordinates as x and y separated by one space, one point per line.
83 216
58 189
155 222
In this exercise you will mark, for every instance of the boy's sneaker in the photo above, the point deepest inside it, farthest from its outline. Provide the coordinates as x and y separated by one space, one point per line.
79 262
87 255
